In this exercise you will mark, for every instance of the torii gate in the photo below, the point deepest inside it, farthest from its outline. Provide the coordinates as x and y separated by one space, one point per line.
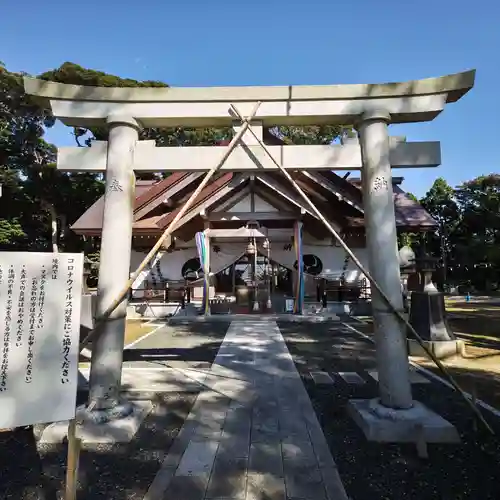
370 107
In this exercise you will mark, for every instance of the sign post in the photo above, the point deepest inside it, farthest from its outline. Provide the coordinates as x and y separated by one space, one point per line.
40 300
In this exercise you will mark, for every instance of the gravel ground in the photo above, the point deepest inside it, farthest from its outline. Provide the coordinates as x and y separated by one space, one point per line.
119 471
372 471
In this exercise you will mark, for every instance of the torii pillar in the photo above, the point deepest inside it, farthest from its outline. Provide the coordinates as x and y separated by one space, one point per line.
381 239
114 266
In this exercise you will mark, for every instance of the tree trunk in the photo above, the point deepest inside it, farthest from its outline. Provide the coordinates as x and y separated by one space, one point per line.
53 224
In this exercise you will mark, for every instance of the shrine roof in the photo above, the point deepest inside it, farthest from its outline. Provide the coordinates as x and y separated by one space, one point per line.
340 199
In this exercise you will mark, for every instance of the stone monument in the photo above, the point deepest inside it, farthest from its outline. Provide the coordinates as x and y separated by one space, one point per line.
428 315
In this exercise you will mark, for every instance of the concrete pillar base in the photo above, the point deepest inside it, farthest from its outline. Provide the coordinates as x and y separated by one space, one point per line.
94 431
121 410
440 348
386 425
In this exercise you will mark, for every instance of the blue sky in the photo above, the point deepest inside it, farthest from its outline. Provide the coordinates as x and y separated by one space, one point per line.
266 42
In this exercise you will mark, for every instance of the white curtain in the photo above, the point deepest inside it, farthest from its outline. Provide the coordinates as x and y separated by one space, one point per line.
332 258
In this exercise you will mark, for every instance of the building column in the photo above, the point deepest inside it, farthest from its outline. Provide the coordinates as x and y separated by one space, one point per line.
114 267
381 237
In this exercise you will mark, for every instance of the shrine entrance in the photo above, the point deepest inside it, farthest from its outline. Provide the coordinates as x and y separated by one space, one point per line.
270 283
249 111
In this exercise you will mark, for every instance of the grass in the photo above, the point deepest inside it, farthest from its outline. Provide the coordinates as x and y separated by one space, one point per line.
477 323
134 330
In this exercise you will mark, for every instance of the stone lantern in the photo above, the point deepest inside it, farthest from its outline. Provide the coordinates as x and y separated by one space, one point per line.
266 245
406 268
250 250
428 314
86 273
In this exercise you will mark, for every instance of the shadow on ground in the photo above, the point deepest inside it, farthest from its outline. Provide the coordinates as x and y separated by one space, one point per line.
372 471
110 471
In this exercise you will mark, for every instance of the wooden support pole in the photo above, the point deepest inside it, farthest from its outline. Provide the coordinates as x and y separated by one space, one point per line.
234 142
375 285
74 446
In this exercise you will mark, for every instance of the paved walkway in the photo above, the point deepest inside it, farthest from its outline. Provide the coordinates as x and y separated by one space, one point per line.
252 433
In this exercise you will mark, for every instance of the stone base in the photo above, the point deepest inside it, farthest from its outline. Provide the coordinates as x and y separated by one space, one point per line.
120 430
418 424
440 348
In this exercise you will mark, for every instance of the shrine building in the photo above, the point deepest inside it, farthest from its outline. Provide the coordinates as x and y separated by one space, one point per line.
251 221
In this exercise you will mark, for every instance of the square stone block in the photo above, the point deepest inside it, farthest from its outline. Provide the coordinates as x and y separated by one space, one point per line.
440 348
352 378
120 430
401 426
415 376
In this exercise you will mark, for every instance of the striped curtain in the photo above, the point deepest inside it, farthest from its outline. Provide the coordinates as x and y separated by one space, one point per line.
203 254
299 282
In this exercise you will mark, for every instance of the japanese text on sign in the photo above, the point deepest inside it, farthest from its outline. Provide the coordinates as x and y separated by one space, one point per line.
40 298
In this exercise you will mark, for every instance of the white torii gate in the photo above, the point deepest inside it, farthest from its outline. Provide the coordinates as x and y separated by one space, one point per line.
370 107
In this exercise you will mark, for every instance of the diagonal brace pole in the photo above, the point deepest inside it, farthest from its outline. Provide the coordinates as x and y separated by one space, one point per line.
234 142
372 281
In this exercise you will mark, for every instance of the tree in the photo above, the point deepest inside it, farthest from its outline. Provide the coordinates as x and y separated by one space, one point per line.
33 190
478 237
21 146
440 202
71 73
412 240
37 197
322 134
178 136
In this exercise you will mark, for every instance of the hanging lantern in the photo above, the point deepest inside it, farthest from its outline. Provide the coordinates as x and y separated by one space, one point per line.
250 248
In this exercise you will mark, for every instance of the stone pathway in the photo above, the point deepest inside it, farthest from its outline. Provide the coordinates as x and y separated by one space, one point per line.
252 433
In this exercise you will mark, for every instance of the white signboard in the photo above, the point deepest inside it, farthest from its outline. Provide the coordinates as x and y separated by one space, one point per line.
40 297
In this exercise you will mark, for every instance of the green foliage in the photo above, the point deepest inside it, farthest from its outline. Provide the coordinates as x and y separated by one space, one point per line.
76 75
11 232
324 134
468 236
467 239
30 181
34 191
